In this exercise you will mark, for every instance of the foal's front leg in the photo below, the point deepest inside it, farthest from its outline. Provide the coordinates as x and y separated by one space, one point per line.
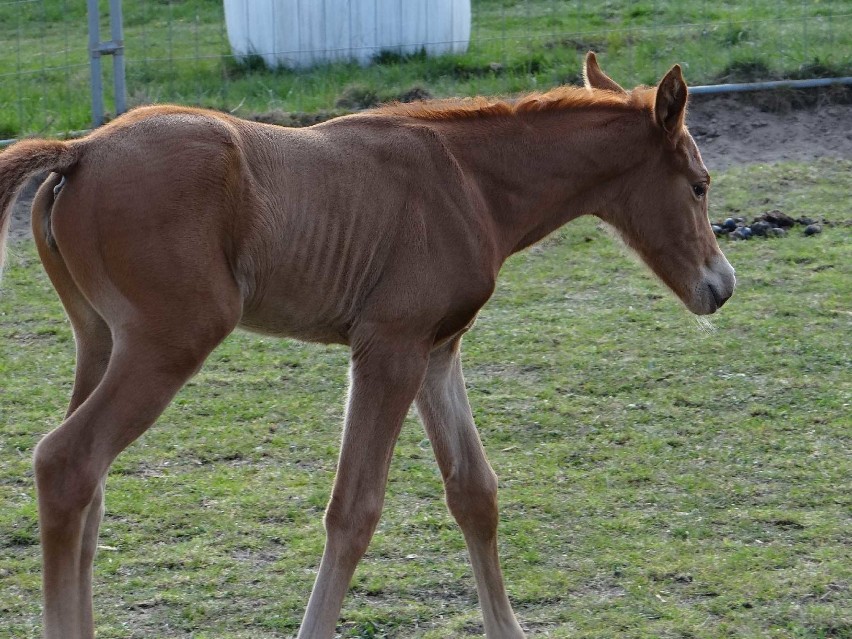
470 484
385 375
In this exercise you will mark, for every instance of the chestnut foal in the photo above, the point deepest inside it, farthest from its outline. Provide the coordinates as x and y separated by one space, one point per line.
385 231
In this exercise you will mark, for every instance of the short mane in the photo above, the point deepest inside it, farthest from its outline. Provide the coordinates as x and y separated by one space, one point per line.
558 99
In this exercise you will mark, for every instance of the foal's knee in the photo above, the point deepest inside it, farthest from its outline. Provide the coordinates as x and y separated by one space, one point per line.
350 529
66 483
472 500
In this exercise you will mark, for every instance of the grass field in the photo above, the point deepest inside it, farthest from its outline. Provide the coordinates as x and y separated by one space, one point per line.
658 480
177 51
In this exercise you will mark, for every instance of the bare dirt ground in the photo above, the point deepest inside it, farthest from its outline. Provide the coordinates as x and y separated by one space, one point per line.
729 130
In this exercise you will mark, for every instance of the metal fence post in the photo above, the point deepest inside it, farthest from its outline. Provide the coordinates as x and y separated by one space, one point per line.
95 63
113 47
117 32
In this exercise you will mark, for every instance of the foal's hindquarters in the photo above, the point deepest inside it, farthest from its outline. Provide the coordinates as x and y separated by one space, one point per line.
149 294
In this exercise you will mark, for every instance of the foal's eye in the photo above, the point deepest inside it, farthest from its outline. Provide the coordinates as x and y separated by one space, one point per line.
699 189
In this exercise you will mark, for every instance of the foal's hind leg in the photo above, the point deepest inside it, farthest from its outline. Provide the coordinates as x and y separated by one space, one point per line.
470 484
143 375
93 340
157 343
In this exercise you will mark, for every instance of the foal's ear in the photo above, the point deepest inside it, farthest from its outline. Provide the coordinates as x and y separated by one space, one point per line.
594 78
670 103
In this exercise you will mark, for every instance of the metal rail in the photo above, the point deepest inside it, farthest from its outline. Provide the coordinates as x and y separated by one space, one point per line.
775 84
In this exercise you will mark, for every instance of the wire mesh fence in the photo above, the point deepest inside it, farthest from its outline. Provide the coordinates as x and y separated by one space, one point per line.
178 51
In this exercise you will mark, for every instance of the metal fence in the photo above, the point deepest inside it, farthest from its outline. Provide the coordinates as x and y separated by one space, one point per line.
51 77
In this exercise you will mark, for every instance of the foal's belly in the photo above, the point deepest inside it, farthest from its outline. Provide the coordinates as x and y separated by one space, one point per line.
288 315
317 334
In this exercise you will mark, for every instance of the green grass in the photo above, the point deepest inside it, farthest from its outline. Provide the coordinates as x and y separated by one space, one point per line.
177 51
657 480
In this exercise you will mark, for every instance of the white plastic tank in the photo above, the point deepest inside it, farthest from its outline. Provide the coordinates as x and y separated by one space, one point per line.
302 33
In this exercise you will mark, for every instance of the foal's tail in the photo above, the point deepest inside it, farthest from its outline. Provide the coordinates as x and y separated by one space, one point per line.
20 162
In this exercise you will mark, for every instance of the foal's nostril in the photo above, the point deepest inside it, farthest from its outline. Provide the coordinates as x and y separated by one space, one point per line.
717 297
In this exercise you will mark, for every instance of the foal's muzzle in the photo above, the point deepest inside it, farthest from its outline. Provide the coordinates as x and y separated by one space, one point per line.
714 287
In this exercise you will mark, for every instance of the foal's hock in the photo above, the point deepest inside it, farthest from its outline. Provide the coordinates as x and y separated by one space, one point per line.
385 231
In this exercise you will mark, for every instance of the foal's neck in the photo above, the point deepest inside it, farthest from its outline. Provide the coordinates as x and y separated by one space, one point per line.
538 171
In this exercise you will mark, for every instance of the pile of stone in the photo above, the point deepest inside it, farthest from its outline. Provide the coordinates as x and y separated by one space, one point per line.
770 224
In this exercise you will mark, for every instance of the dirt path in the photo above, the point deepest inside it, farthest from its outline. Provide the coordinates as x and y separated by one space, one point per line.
729 131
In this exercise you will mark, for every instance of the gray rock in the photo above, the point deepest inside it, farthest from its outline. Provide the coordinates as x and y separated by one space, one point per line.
761 227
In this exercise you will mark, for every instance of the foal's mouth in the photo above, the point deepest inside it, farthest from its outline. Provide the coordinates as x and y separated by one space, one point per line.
719 298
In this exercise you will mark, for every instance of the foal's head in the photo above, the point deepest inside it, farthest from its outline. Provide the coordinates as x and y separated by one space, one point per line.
662 213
